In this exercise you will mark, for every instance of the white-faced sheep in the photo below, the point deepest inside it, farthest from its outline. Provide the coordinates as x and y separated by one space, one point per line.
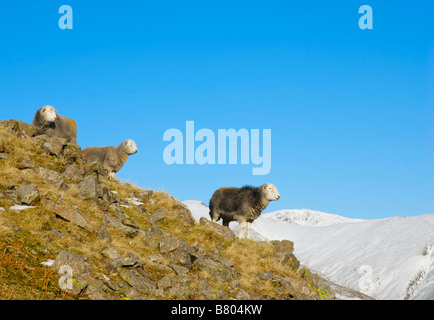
241 204
111 159
52 124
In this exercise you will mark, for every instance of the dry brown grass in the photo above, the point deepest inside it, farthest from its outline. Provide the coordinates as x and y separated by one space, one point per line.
252 257
21 274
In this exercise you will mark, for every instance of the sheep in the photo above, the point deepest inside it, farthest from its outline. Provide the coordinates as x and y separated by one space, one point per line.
111 159
47 121
241 204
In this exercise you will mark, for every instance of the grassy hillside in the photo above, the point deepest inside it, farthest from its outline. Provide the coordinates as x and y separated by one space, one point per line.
122 242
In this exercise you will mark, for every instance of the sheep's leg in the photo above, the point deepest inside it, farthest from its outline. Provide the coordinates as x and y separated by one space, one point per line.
249 226
214 215
242 229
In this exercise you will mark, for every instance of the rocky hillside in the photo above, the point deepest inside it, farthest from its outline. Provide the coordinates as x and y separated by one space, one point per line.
68 233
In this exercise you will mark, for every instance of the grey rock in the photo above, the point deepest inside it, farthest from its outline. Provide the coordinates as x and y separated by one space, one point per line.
118 225
50 176
57 234
265 275
26 164
65 210
180 256
73 174
185 215
180 270
158 216
242 295
168 242
218 270
87 188
221 230
138 279
111 253
72 153
152 236
54 146
78 263
164 283
28 194
103 234
283 250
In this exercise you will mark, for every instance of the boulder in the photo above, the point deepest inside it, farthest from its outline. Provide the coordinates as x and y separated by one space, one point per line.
28 194
158 216
164 283
26 164
168 242
64 209
139 280
221 230
118 225
51 177
216 269
103 234
185 215
73 174
151 236
78 263
87 188
283 250
53 146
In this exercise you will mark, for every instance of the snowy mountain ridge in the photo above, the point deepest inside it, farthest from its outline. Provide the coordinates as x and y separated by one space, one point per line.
391 258
308 217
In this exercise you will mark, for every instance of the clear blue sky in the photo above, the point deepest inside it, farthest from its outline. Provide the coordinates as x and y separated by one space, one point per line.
351 110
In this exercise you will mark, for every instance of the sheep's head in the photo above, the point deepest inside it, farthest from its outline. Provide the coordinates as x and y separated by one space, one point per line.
48 114
129 147
270 191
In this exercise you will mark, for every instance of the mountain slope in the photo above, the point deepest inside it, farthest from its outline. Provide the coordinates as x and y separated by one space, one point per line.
387 259
66 232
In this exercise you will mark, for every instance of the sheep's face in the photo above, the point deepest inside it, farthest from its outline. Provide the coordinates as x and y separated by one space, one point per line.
271 192
48 114
129 146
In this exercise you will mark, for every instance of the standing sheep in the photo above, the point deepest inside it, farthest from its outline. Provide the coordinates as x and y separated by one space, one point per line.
49 122
241 204
112 158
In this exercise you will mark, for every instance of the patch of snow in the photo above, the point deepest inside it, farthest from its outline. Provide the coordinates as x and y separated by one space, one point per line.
134 201
48 263
20 208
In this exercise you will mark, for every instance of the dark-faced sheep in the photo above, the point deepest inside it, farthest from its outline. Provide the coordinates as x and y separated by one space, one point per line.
111 159
47 121
241 204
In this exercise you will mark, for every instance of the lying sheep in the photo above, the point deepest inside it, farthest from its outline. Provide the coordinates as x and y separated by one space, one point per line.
47 121
111 159
241 204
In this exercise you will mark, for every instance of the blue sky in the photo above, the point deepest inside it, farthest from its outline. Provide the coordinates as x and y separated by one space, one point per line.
351 110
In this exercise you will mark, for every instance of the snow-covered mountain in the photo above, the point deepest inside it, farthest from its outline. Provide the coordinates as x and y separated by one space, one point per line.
308 217
388 258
